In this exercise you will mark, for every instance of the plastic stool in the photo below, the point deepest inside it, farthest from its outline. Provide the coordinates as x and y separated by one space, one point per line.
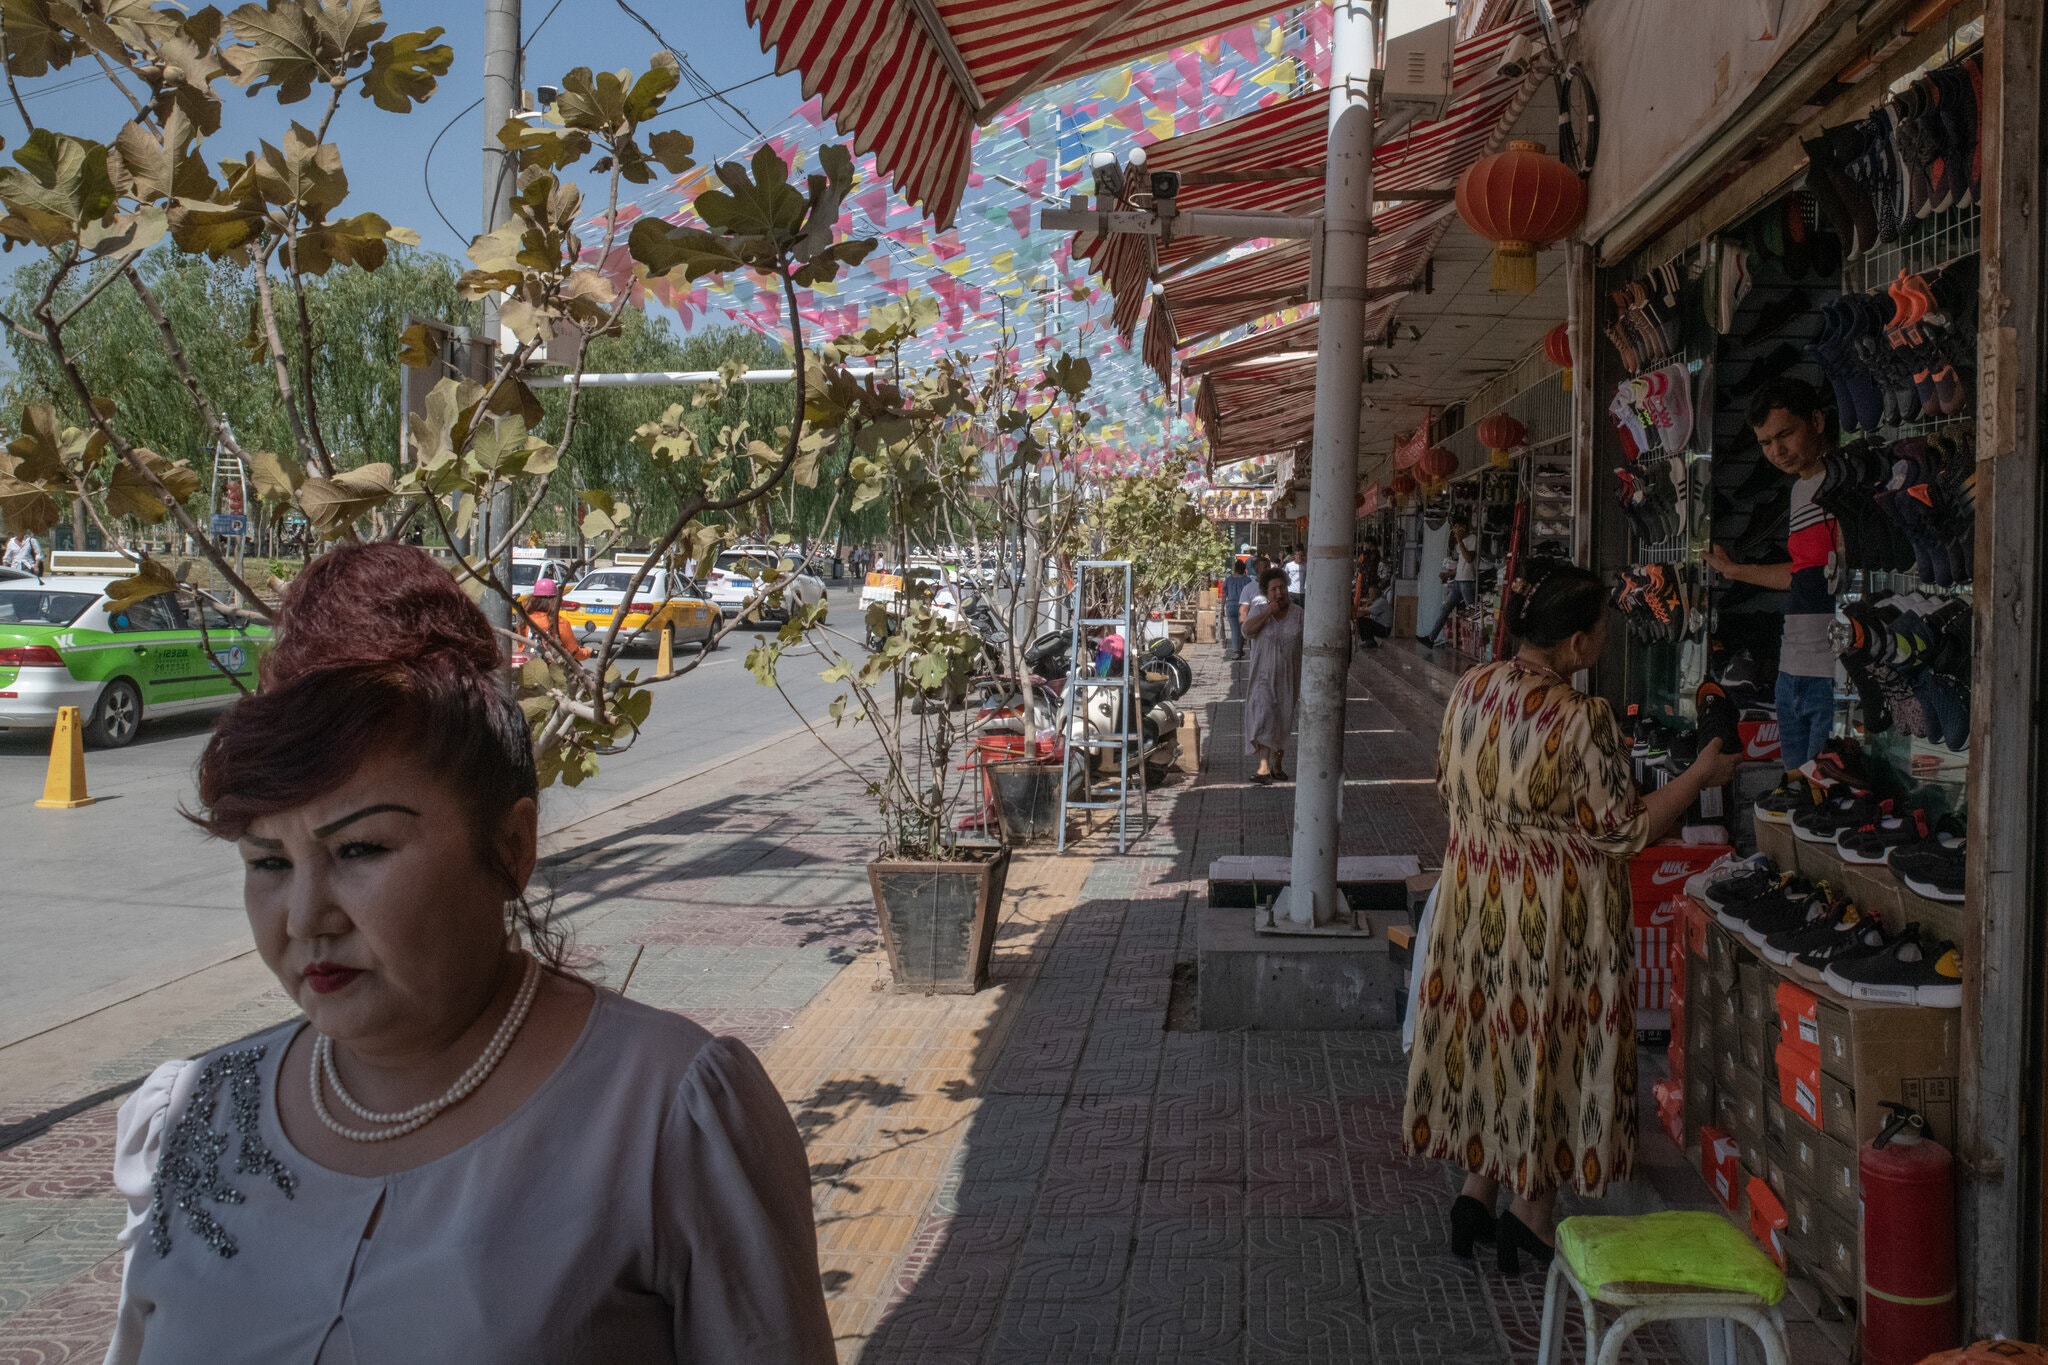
1663 1267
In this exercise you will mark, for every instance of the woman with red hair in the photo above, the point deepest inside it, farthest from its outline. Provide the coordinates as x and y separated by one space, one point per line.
463 1151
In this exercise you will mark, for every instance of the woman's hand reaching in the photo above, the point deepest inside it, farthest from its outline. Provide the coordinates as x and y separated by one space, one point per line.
1715 766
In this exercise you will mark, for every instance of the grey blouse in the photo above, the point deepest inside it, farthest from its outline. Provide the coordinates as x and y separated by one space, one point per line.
649 1202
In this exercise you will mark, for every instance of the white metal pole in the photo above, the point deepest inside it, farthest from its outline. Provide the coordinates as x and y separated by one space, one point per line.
1311 897
501 97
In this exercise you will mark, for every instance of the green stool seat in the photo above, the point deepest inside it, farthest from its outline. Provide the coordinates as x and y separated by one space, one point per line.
1690 1250
1662 1267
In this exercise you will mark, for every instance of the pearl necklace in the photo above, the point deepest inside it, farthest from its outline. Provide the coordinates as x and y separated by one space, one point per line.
409 1120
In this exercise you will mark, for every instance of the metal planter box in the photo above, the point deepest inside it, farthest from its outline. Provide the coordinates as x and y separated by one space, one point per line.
939 920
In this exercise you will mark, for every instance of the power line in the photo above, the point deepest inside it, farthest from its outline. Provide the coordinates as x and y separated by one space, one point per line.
689 72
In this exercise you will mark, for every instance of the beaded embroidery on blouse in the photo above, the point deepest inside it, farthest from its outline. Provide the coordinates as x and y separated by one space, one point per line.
188 1172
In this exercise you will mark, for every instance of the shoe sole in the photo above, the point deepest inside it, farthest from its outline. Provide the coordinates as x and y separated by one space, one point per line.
1946 996
1732 924
1859 859
1930 891
1775 817
1800 831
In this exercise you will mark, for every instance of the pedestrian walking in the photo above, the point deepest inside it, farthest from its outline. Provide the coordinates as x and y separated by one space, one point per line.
544 617
1460 577
1523 1070
1297 573
1235 581
464 1151
1273 682
23 552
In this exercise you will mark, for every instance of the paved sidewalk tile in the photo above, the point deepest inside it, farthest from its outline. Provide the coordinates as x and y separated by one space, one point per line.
1050 1170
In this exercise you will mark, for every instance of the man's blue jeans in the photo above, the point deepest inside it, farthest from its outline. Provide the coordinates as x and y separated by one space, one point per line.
1806 713
1235 625
1457 593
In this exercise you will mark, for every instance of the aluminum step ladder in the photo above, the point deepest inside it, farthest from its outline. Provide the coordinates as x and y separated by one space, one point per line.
1083 685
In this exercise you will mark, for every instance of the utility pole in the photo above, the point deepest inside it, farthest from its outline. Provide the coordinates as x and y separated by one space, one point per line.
501 97
1310 898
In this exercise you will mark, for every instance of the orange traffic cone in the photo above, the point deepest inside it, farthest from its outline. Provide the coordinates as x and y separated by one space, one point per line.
64 787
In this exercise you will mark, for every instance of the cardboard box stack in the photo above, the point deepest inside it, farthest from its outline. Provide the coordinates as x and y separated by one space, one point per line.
1782 1080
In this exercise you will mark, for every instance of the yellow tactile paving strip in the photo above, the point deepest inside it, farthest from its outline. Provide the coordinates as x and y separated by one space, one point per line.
884 1087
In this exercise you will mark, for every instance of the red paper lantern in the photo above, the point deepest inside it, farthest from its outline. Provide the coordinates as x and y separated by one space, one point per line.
1557 349
1437 467
1500 434
1404 486
1521 200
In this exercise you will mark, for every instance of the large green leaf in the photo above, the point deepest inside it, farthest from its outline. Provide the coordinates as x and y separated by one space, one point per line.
333 505
406 69
763 204
279 49
36 41
24 506
62 185
662 249
131 494
305 173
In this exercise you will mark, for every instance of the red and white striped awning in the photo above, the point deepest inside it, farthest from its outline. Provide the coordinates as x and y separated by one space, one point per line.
1286 143
1257 395
910 80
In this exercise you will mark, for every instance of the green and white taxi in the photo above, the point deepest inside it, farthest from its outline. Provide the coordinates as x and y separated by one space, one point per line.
63 643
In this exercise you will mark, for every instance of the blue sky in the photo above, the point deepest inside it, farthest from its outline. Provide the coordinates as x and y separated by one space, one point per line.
385 154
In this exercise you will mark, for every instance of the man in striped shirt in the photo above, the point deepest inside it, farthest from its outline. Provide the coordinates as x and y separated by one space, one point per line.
1793 428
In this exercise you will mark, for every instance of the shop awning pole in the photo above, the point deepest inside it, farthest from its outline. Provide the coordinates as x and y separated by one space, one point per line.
1311 897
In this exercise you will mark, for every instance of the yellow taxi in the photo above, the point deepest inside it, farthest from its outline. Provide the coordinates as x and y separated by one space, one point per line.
665 601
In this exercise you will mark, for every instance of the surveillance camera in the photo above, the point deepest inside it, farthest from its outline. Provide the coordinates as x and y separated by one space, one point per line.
1518 58
1109 177
548 94
1165 186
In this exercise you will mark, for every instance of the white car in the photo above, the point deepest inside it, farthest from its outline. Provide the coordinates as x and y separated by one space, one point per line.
531 566
735 578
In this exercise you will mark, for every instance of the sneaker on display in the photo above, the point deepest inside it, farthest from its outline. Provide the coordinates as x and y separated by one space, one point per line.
1912 969
1933 867
1787 915
1734 880
1871 844
1847 810
1735 915
1855 936
1792 794
1784 948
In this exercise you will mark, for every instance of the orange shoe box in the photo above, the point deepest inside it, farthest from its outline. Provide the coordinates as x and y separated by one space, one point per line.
1799 1082
1721 1164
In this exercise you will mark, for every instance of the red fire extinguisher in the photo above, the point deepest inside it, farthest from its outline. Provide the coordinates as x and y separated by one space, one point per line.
1909 1242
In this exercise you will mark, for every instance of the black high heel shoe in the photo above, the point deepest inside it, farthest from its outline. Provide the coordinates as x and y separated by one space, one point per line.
1511 1237
1471 1221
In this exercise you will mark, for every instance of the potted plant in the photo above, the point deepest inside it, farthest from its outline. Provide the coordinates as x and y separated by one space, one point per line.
904 668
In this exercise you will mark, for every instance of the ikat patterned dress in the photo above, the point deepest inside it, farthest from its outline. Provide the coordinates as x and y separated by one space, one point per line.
1524 1062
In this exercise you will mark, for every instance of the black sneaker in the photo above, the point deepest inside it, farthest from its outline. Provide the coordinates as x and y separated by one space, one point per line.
1735 916
1787 914
1869 845
1849 810
1737 881
1912 970
1716 718
1932 868
1782 948
1792 794
1857 935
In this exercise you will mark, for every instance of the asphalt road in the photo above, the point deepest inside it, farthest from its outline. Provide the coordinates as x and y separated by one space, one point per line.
100 904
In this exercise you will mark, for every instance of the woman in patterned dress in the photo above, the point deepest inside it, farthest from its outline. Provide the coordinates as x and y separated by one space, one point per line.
1524 1069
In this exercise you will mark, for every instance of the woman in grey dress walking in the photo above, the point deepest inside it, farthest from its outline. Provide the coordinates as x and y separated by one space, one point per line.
1273 683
